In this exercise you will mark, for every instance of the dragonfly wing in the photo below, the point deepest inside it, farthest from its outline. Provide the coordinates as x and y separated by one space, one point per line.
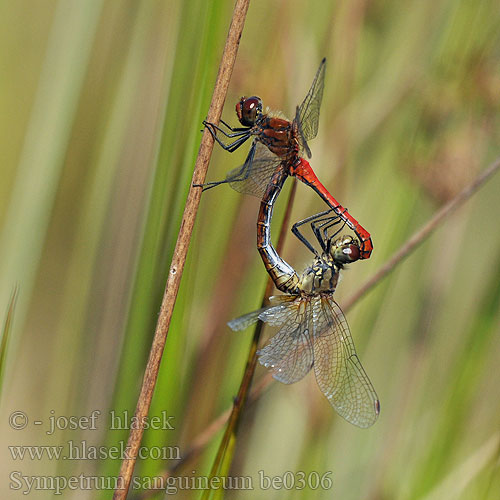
243 322
277 304
308 112
338 370
289 354
254 175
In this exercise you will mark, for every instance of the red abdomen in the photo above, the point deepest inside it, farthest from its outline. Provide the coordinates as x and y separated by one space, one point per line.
303 171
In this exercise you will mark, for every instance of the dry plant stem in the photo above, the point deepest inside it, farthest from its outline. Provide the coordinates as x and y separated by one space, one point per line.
204 437
190 454
181 248
246 381
5 334
425 231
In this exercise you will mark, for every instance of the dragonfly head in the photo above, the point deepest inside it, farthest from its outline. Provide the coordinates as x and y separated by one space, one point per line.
248 110
345 250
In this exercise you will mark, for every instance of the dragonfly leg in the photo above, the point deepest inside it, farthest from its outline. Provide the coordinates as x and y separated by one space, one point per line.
320 229
236 131
365 242
244 172
320 226
302 238
234 145
209 185
241 175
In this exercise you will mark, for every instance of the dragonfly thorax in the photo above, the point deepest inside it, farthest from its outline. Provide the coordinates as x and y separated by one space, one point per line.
322 276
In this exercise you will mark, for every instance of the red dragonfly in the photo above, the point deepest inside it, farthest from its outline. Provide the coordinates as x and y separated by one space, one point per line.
278 142
313 332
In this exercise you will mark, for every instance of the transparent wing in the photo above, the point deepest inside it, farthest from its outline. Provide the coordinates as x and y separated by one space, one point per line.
338 370
289 354
277 304
243 322
254 175
308 112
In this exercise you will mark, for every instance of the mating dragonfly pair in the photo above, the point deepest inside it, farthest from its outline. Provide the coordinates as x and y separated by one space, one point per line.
313 332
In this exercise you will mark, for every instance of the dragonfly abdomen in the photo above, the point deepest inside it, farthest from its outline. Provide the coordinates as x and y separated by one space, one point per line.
283 275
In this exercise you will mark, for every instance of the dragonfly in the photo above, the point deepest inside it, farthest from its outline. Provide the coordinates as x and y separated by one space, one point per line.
280 145
313 333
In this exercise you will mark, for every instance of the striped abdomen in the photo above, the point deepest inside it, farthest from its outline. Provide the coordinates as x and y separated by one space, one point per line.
284 276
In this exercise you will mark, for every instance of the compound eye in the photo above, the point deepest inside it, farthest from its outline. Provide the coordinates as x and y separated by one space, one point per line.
248 109
345 254
351 252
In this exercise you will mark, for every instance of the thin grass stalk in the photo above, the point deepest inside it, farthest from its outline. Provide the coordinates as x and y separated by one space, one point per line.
424 232
225 453
7 327
409 246
181 248
209 350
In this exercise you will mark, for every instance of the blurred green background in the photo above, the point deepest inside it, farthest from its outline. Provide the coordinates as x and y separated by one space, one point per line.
101 105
